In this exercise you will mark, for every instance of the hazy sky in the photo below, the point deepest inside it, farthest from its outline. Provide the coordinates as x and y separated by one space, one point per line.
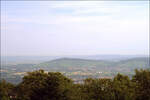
74 28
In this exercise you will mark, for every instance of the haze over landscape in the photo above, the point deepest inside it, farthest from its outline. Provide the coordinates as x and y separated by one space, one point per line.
75 50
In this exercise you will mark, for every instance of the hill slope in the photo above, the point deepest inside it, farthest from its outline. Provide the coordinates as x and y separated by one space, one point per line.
71 63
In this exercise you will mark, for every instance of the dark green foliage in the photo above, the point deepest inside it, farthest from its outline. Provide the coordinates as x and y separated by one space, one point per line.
44 86
98 89
39 85
142 82
123 88
6 90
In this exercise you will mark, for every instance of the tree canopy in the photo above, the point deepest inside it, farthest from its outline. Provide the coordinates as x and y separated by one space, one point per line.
39 85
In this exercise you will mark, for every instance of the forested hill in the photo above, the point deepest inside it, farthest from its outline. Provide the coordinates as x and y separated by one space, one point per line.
141 62
73 62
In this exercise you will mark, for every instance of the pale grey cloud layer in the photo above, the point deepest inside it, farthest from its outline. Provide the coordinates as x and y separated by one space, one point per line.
74 28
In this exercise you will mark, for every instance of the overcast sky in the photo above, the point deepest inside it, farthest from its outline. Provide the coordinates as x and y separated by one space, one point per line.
74 28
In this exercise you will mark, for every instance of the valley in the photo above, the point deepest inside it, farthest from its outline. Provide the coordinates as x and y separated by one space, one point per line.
76 68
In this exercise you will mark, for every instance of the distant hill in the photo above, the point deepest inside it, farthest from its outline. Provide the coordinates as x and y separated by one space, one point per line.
74 63
141 62
38 59
110 57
